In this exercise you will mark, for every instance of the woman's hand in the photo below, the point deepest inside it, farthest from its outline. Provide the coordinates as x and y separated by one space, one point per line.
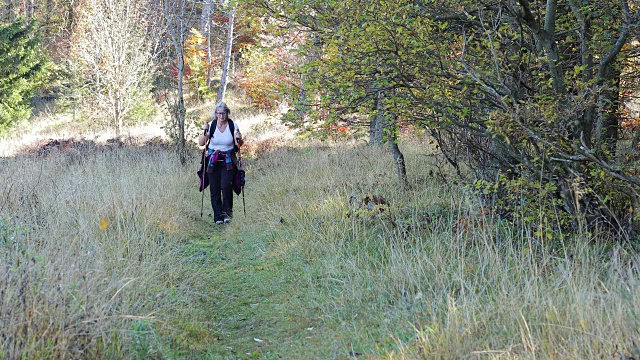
239 140
202 140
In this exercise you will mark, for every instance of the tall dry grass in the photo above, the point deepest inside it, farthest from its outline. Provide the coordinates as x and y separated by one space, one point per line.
88 241
428 275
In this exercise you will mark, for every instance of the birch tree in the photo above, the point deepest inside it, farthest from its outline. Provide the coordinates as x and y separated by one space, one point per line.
227 56
205 30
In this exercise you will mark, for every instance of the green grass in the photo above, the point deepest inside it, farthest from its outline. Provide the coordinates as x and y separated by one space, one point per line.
257 305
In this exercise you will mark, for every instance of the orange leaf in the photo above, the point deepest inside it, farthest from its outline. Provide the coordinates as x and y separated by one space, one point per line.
104 223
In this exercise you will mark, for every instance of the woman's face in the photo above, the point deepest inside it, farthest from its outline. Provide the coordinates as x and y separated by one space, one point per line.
221 114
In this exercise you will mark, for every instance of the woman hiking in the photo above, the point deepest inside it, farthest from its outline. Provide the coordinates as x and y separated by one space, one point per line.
224 140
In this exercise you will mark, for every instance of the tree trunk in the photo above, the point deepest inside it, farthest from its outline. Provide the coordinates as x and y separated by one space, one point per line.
209 61
177 32
180 109
585 129
117 122
28 7
301 106
205 30
383 130
205 18
549 44
545 38
397 155
376 126
606 128
227 59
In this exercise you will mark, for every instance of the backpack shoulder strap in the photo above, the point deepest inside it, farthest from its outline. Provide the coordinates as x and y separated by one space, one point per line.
232 127
212 128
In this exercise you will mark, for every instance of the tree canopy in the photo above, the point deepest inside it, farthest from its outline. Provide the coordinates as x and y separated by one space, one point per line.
530 95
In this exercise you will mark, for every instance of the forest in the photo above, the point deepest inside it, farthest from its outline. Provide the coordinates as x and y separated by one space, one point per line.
426 179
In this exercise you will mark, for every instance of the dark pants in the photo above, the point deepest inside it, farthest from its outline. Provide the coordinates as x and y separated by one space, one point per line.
220 183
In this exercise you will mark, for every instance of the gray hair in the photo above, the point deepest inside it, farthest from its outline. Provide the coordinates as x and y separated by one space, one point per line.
221 106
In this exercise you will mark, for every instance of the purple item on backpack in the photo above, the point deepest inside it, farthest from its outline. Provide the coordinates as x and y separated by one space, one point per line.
213 158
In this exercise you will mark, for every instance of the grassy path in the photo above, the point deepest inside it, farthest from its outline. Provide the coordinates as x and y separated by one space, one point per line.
258 304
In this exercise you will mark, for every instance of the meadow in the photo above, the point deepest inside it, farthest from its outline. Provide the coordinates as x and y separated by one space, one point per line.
103 254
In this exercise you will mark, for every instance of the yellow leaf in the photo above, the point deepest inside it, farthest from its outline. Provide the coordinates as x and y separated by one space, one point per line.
104 223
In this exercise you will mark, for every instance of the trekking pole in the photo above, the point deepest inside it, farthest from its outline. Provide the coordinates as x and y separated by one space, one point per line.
244 208
204 167
204 173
